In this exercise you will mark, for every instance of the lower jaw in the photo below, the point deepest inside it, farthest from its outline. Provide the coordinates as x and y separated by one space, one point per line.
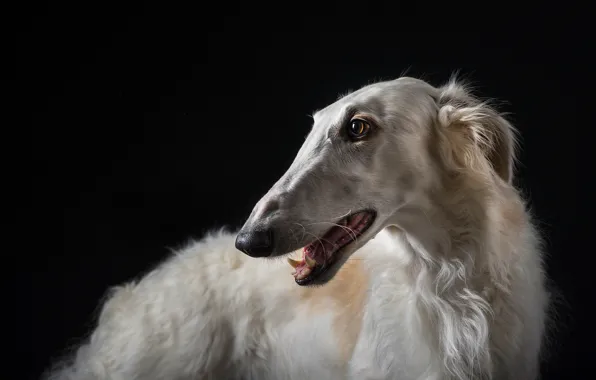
313 276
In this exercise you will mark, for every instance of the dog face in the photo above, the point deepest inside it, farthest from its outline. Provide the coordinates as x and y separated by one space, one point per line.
368 156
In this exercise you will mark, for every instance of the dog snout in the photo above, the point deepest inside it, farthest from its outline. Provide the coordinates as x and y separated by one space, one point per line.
264 233
255 243
269 207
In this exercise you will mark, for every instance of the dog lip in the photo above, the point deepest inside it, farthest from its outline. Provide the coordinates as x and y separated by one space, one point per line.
332 260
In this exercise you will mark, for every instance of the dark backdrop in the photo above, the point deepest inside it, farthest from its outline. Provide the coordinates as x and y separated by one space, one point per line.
146 130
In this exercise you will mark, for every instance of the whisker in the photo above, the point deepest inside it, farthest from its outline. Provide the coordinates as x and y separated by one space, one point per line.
353 235
303 230
323 245
350 231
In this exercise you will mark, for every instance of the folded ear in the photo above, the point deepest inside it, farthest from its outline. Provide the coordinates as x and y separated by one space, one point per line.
473 128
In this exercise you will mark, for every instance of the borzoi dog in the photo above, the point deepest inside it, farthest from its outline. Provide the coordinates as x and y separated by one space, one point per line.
407 254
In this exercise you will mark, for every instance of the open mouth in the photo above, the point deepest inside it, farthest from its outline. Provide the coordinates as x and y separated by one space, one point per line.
320 255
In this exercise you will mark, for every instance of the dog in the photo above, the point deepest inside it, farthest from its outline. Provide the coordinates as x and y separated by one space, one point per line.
396 246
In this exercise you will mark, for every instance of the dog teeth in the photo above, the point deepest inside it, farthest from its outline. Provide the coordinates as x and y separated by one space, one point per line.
293 262
310 262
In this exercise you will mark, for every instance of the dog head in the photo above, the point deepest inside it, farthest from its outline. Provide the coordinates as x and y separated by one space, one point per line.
372 160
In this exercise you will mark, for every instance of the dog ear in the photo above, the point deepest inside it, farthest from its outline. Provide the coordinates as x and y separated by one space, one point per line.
474 128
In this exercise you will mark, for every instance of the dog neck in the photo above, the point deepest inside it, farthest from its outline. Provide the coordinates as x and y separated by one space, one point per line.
451 264
448 228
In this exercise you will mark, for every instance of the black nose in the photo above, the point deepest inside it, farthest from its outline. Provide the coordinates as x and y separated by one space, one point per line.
255 243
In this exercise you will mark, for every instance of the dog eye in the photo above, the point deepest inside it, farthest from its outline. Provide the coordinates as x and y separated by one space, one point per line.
358 128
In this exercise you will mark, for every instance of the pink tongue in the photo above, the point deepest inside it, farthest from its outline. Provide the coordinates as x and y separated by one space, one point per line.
321 250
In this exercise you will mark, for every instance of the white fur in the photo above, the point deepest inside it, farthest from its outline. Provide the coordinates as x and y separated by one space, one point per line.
446 298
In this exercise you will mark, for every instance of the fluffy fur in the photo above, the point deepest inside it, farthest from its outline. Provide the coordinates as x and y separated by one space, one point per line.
448 285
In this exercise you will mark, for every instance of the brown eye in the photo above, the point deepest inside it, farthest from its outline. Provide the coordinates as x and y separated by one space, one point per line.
358 128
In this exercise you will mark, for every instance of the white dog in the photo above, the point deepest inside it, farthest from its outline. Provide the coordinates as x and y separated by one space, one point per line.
413 257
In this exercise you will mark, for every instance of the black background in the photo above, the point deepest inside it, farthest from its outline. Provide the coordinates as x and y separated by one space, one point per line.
147 128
